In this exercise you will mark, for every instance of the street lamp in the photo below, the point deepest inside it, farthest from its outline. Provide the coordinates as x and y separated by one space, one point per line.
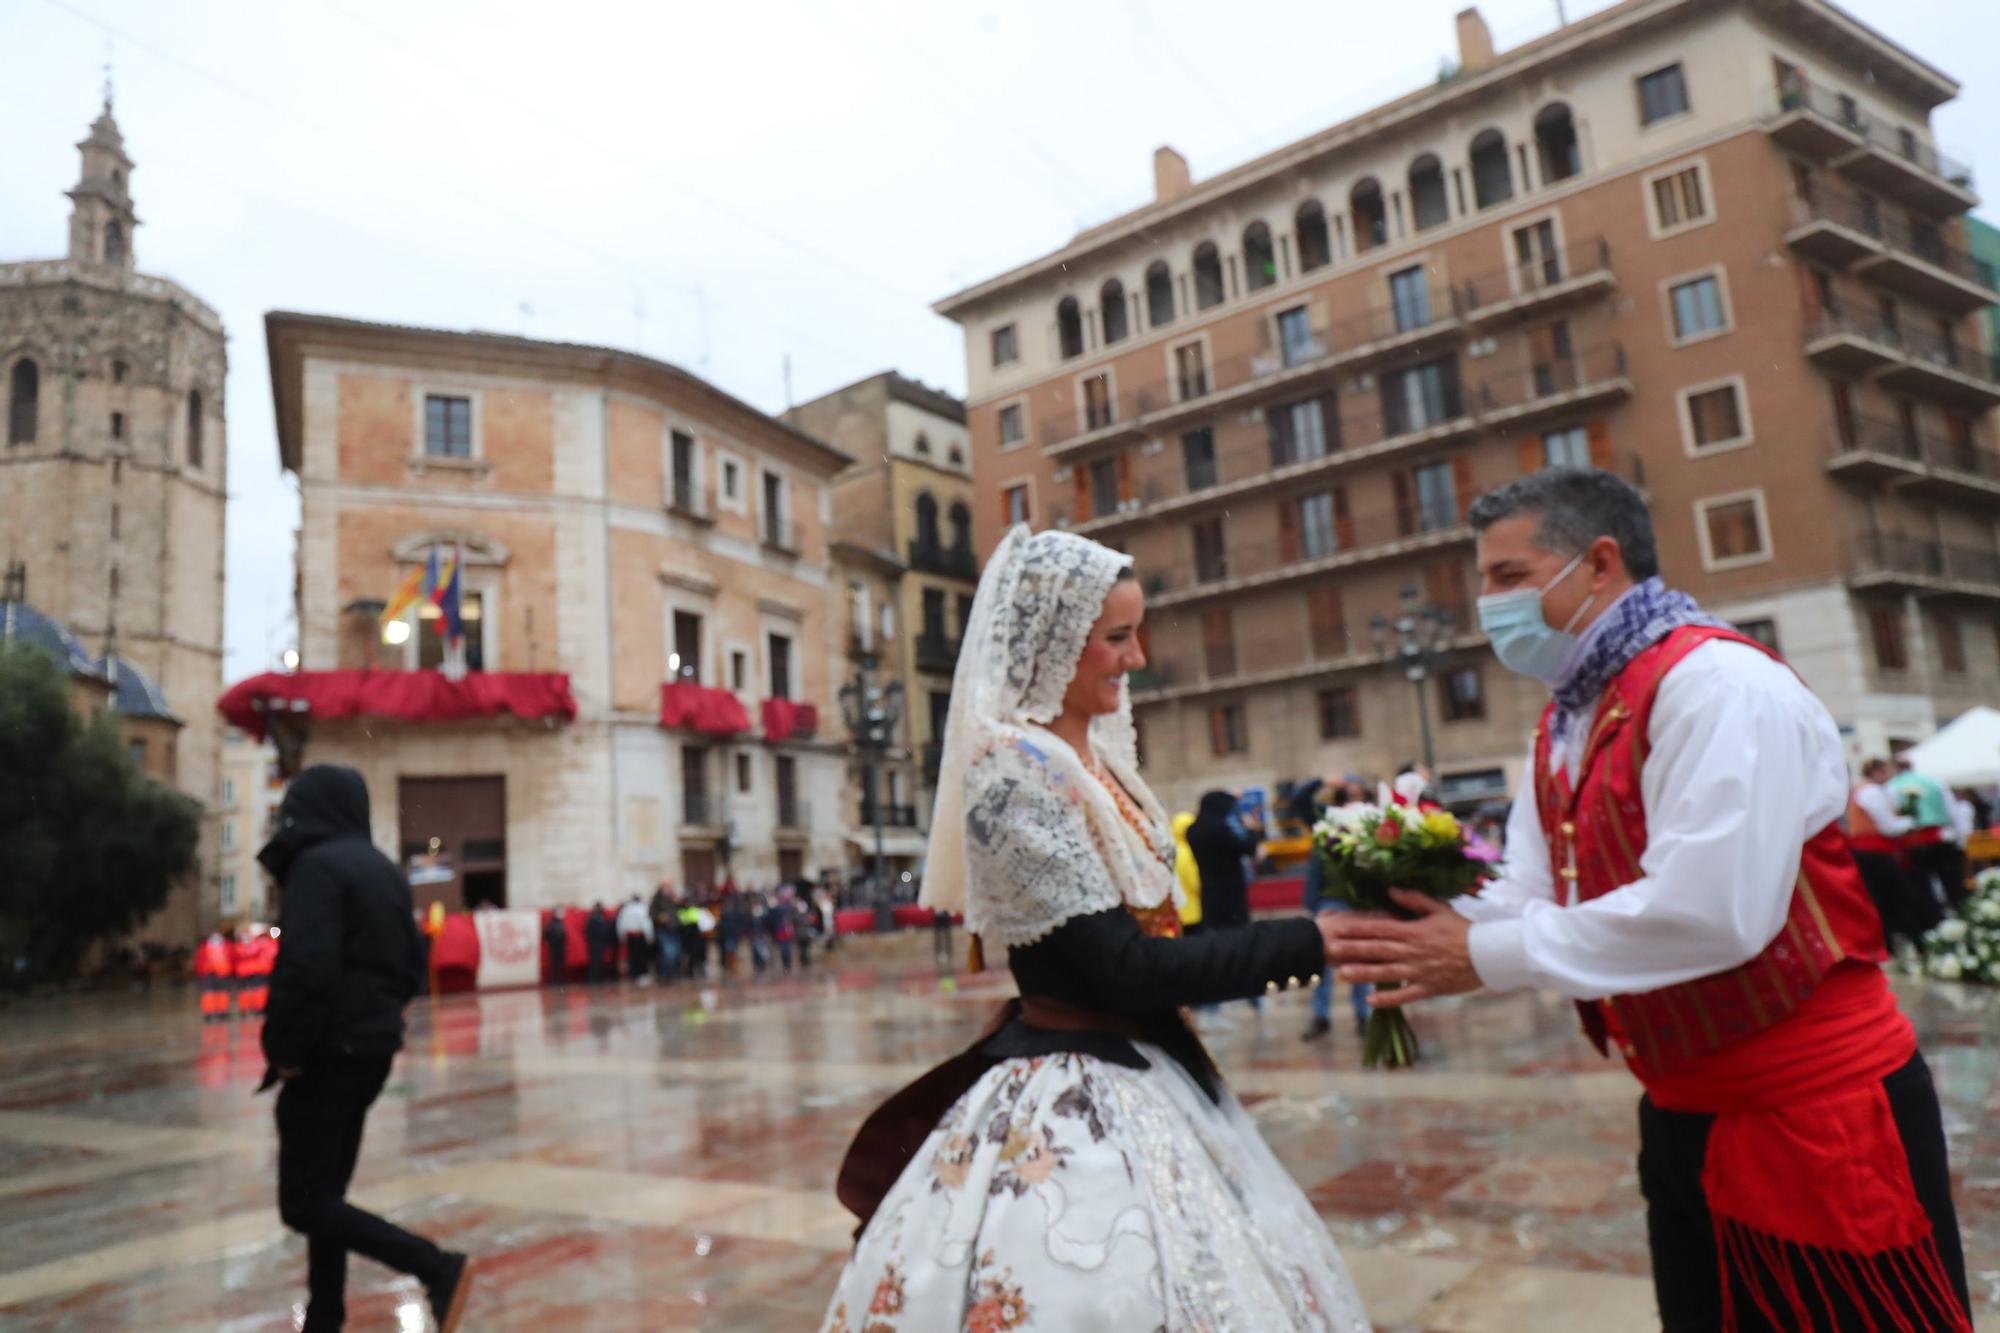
1415 638
872 713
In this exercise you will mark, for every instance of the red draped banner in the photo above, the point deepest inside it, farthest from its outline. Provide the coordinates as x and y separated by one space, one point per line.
412 696
786 718
702 708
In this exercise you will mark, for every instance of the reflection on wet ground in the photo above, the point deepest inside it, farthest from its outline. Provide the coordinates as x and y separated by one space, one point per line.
631 1158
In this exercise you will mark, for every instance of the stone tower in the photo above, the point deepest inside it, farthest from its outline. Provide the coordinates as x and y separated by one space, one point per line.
113 470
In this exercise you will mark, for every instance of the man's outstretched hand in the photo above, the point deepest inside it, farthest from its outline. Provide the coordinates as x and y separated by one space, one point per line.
1426 957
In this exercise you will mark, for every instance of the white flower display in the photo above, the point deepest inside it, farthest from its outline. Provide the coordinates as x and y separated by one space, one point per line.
1965 947
1945 968
1950 930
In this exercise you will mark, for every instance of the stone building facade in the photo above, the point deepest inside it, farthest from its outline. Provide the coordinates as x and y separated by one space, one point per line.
910 493
246 807
618 520
1707 243
114 473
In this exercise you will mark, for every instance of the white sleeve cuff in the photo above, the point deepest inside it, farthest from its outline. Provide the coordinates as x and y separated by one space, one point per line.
1500 954
1476 908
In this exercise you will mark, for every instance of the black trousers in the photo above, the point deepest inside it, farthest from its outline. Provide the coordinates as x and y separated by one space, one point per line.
636 949
1945 863
1906 906
1687 1279
321 1112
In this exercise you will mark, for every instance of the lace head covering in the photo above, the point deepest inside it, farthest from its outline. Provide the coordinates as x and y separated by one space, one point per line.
1039 597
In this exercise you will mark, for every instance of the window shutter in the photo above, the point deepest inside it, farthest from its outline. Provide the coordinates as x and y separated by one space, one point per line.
1329 417
1326 621
1406 510
1600 442
1125 491
1532 454
1461 481
1288 530
1343 526
1217 740
1080 474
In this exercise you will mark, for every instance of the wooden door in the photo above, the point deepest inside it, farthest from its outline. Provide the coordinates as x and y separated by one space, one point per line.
450 828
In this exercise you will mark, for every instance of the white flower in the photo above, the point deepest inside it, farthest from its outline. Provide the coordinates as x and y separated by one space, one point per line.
1945 968
1951 930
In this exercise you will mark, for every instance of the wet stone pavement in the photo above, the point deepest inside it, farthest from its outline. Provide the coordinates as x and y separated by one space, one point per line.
628 1158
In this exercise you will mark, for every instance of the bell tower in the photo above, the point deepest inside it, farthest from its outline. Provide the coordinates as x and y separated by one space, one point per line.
101 221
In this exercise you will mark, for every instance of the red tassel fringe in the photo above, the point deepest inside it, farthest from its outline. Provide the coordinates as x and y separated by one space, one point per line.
1808 1288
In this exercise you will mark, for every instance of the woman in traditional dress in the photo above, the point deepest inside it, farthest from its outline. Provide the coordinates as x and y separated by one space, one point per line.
1082 1166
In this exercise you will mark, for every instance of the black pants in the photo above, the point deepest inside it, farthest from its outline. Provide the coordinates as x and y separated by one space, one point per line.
1943 862
320 1116
636 949
1907 907
1673 1146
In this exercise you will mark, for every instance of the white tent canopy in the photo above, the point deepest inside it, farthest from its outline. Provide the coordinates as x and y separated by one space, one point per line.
1963 754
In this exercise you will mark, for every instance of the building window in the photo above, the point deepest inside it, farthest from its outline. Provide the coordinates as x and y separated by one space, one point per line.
1410 297
743 773
785 777
228 793
1464 697
1226 732
1370 217
430 633
135 750
1198 457
1316 535
1159 294
1103 477
1680 200
1537 257
777 523
923 444
681 493
1191 370
1006 345
933 614
1017 508
1298 431
780 647
1218 643
1885 628
684 659
1211 560
1207 276
117 425
888 620
1011 432
1326 619
955 456
1714 418
119 370
1097 407
194 427
1951 645
1309 223
1428 202
1492 174
1339 717
1437 497
1069 327
1763 631
24 389
228 831
732 481
1555 143
1111 310
1260 260
1567 447
1733 530
1295 336
1697 308
1662 93
228 900
739 667
447 426
1420 397
694 786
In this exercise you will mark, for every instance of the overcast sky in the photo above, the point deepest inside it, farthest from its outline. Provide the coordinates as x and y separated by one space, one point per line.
723 186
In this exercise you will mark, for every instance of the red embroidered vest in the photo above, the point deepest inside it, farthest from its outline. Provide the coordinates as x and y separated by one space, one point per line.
1597 833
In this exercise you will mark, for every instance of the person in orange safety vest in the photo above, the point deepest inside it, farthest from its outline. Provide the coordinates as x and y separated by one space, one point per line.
256 955
215 973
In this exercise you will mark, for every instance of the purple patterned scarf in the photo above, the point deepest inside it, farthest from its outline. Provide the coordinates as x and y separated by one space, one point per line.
1637 621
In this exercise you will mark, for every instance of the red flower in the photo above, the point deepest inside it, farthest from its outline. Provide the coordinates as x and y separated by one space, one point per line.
1389 832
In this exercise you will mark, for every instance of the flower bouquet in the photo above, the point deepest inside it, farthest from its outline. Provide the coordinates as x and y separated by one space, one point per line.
1366 850
1965 947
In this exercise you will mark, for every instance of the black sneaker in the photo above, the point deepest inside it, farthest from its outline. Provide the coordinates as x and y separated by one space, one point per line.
449 1292
1320 1027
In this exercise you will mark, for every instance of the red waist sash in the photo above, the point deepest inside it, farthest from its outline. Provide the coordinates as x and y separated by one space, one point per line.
1924 837
1874 842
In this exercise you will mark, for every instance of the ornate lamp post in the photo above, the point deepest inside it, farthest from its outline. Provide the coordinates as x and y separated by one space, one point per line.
1415 638
872 713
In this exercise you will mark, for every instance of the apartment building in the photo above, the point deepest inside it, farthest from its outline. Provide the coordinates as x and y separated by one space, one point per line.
909 494
644 576
1706 243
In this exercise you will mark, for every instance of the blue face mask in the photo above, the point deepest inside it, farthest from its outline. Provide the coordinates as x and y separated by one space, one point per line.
1523 639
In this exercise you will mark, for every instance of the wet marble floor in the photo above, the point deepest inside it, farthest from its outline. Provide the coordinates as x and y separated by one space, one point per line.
628 1158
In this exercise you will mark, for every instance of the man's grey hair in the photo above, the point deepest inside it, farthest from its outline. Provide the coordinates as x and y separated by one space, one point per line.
1576 506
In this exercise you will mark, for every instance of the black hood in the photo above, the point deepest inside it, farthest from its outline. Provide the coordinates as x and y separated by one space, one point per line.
323 803
1217 805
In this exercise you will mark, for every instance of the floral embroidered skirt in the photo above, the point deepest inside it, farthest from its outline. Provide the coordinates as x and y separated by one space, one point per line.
1065 1193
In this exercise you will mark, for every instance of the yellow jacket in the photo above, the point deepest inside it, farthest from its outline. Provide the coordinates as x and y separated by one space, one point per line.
1186 872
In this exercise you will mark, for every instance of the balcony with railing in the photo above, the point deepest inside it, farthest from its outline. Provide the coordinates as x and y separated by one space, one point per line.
1839 230
700 810
1543 388
1814 121
892 816
1817 122
1851 345
1946 368
1875 451
1528 288
1234 664
1925 567
689 499
936 653
1350 543
951 562
1285 360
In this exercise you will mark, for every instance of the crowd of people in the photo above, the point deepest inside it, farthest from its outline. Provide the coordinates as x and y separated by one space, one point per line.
674 935
1910 833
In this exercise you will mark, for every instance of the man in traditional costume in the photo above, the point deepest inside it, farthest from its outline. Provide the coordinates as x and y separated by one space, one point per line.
1677 867
1875 830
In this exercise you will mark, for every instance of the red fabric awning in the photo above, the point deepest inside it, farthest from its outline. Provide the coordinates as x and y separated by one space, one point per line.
786 718
412 696
702 708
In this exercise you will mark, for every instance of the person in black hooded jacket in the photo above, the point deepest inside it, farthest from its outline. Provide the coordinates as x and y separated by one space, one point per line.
1219 847
349 960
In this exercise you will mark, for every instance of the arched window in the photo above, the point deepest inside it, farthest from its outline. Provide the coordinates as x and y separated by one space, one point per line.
1492 175
24 392
956 456
1260 261
114 242
1315 251
1427 197
961 527
1069 327
927 520
194 427
1159 294
1371 219
1111 310
923 443
1555 143
1207 275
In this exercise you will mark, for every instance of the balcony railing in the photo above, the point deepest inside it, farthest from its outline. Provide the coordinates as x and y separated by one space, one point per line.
1949 367
1348 541
936 653
1875 447
893 816
700 809
1533 283
1927 565
1839 229
689 499
952 562
793 813
1320 347
1555 384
